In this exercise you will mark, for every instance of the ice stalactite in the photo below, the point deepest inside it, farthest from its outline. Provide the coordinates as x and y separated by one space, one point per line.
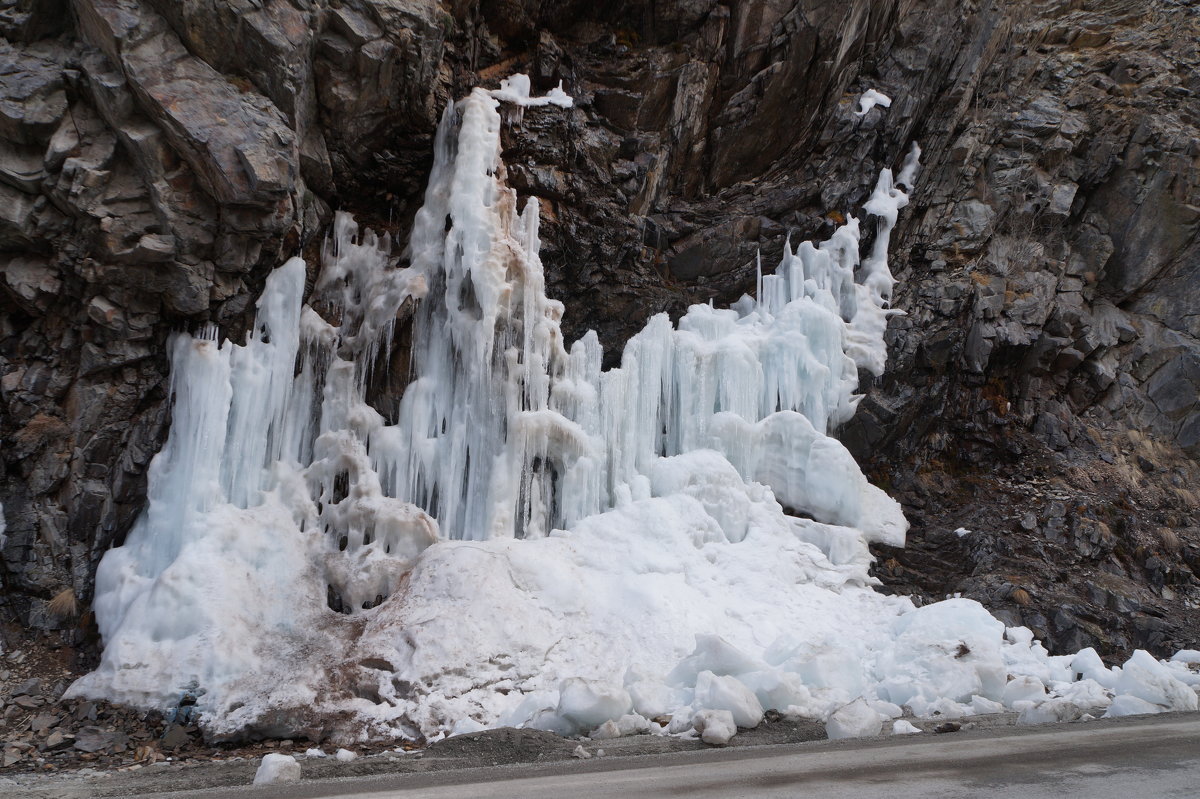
308 560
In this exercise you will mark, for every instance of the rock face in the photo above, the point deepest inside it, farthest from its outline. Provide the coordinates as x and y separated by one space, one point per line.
157 159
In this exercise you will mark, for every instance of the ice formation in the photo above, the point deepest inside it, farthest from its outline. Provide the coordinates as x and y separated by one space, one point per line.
871 98
523 538
276 768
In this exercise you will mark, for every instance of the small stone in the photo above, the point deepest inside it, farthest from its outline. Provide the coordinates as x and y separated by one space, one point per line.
11 757
27 702
94 739
43 722
58 740
581 753
948 726
175 737
31 687
345 756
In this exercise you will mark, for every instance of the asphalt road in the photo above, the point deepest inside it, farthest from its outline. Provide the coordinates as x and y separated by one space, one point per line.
1143 758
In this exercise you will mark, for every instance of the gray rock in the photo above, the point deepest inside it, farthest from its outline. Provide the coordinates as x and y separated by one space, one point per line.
95 739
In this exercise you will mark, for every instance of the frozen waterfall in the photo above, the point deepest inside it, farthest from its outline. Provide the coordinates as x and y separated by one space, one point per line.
304 557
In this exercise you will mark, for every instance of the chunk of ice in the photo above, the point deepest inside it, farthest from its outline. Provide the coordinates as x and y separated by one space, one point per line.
590 703
276 768
716 727
855 720
1127 705
728 693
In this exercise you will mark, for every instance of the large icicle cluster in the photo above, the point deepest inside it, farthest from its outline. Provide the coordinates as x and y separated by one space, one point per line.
307 560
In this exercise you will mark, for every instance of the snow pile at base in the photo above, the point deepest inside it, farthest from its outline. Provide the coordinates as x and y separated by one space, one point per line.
522 538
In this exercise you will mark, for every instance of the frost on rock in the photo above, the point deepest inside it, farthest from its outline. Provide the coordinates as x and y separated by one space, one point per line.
520 537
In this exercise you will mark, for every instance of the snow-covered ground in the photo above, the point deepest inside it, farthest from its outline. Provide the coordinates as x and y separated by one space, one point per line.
524 539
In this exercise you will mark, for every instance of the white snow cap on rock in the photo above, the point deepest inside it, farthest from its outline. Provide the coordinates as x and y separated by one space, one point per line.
871 98
276 768
345 755
516 89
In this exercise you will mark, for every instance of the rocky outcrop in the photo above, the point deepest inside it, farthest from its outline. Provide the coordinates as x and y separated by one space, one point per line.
157 159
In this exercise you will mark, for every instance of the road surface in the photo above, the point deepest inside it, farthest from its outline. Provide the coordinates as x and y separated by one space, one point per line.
1144 758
